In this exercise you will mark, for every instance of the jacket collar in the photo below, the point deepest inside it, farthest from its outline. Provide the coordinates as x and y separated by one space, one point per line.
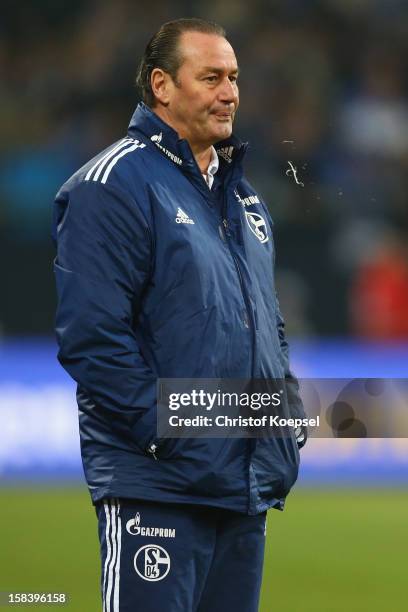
144 120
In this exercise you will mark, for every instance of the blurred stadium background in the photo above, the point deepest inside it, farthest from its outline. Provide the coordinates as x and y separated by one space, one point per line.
323 85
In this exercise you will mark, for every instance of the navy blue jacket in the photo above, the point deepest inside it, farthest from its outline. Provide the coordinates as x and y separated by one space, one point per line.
157 276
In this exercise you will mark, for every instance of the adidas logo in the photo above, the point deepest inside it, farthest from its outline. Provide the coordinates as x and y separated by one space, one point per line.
182 217
226 153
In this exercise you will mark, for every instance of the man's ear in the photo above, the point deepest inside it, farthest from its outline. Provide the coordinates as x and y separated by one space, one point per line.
161 83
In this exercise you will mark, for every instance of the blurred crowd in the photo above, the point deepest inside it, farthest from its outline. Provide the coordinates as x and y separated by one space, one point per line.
324 105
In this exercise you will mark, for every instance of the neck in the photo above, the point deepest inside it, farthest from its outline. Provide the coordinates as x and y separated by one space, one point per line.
201 152
202 157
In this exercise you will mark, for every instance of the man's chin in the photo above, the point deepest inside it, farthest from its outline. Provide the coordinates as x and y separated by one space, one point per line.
223 132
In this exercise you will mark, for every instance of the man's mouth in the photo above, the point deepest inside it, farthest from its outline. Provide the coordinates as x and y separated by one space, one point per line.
223 116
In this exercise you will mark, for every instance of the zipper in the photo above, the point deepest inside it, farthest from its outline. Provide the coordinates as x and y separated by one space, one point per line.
247 319
250 443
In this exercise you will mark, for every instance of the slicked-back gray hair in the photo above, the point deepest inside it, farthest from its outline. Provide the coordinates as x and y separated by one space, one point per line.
163 51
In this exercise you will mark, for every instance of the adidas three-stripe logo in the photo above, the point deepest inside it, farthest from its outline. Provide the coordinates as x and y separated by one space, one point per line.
102 168
111 571
226 153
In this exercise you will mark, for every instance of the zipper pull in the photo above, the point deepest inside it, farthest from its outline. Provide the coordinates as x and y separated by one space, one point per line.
152 450
226 226
221 233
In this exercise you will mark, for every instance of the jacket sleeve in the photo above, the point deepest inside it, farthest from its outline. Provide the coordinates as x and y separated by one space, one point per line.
102 268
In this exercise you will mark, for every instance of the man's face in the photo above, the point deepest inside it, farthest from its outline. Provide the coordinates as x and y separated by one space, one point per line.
203 101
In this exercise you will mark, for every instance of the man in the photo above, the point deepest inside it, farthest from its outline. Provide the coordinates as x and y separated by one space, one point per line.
165 270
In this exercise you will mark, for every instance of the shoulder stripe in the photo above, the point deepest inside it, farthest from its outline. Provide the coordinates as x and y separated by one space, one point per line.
103 159
136 145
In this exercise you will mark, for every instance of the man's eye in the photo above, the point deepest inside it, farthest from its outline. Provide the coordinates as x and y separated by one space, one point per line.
233 79
211 79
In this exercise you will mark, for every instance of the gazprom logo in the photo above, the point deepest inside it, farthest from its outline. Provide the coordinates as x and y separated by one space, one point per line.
134 528
157 138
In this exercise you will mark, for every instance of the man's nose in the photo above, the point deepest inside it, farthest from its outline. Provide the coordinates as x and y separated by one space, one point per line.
228 91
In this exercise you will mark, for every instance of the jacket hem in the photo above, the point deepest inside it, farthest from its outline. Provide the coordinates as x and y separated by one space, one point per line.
238 505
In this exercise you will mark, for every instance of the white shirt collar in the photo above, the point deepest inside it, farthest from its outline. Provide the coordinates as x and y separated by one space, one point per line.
212 168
